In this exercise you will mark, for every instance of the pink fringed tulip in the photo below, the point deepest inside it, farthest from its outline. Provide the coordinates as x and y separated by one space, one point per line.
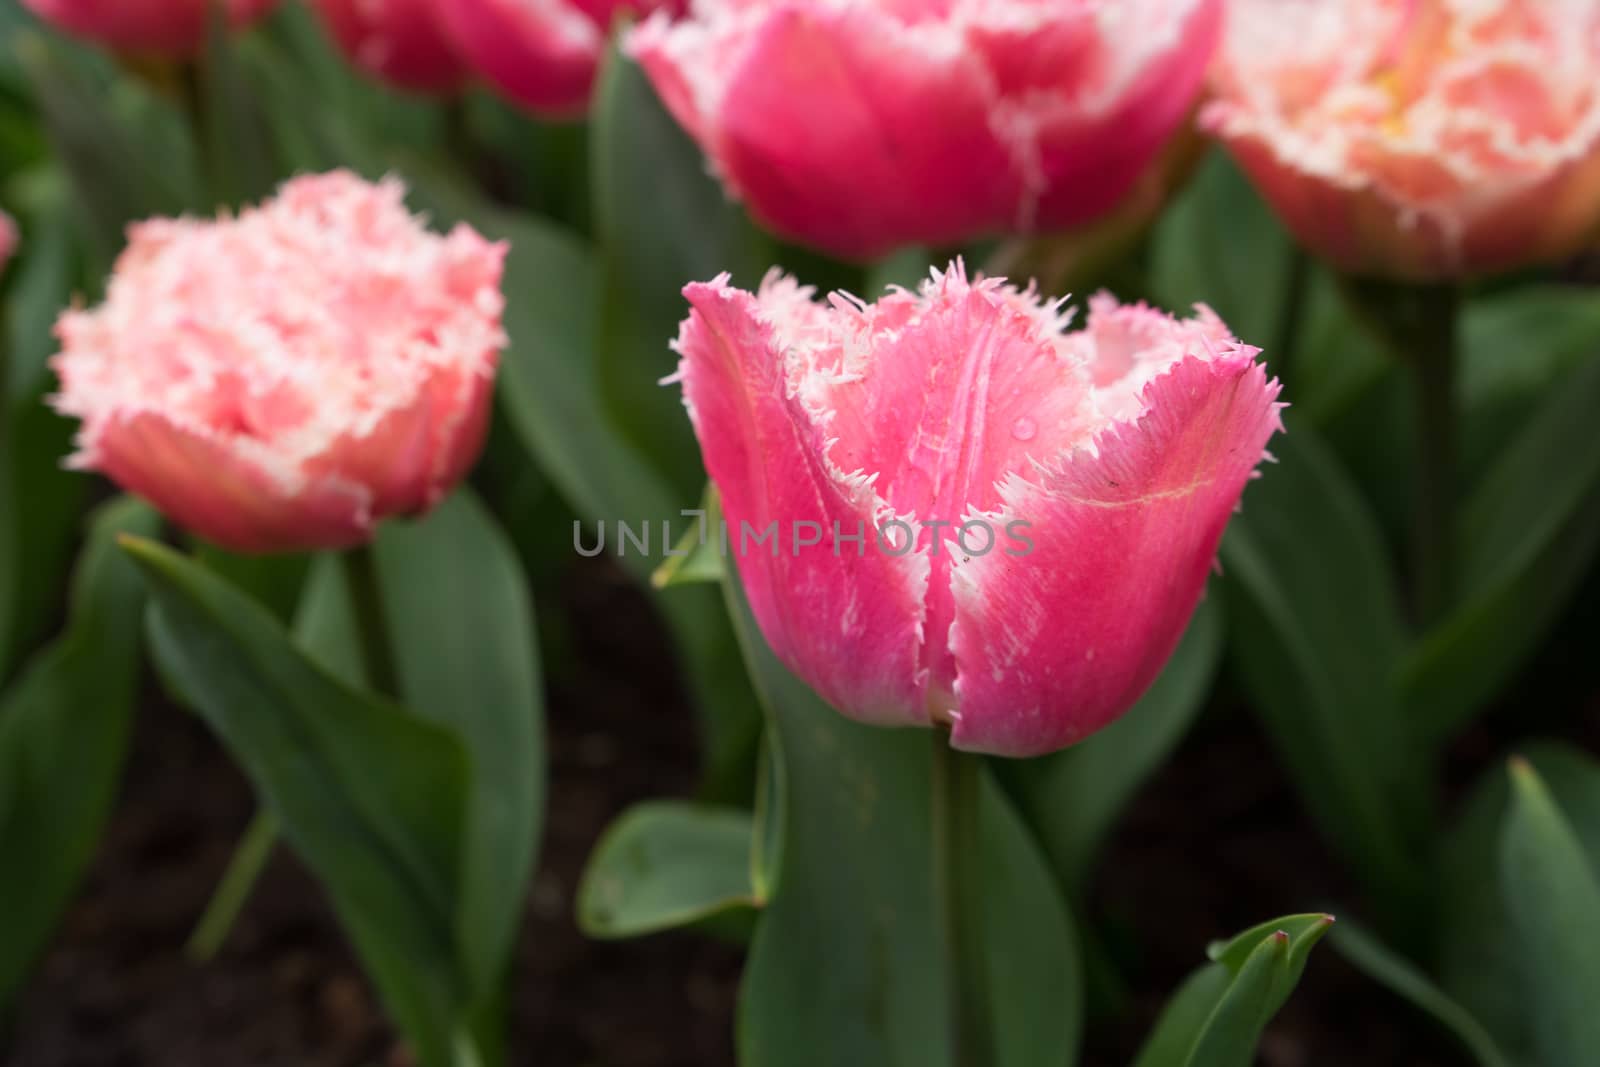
285 379
1418 139
1094 472
161 27
399 41
858 126
543 54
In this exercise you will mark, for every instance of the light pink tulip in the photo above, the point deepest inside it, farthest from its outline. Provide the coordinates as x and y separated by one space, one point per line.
857 126
1418 139
399 41
163 27
284 379
1118 450
543 54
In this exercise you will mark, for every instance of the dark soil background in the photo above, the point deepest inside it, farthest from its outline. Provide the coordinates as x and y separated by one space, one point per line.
1215 843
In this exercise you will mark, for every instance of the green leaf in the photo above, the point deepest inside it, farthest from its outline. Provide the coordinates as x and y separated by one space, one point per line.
1526 536
235 133
664 864
549 383
550 389
1388 968
845 964
372 798
662 222
1234 1026
700 554
1217 1016
1479 953
63 736
128 152
1553 895
456 601
43 505
40 286
1220 245
1073 798
1316 636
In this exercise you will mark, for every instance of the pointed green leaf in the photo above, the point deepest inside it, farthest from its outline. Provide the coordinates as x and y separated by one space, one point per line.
1261 984
63 735
1553 895
371 797
1479 948
457 605
1216 1017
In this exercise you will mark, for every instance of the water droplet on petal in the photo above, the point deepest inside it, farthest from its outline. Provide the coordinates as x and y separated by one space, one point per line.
1024 429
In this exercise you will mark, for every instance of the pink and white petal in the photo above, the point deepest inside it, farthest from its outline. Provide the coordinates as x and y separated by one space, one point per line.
217 489
844 129
848 623
1088 159
1053 645
459 438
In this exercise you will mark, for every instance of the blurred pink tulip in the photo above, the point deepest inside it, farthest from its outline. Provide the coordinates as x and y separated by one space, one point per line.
399 41
1418 139
8 241
543 54
174 28
858 126
284 379
1082 480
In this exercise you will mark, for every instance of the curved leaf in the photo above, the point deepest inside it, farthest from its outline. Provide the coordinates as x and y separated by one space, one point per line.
665 864
371 797
1316 635
1553 895
63 736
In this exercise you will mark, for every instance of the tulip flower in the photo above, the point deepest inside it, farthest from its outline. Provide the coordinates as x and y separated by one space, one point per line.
1418 140
284 379
949 510
856 127
8 240
399 41
175 28
542 55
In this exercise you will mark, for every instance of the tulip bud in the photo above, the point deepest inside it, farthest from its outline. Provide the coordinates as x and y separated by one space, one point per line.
947 509
399 41
857 127
542 55
175 28
284 379
1419 140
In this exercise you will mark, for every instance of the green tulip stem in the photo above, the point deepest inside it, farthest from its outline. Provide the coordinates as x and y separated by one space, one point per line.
958 898
1433 361
250 858
372 621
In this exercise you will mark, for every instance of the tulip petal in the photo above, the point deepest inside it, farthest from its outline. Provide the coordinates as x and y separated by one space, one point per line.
828 129
1052 645
845 617
224 492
